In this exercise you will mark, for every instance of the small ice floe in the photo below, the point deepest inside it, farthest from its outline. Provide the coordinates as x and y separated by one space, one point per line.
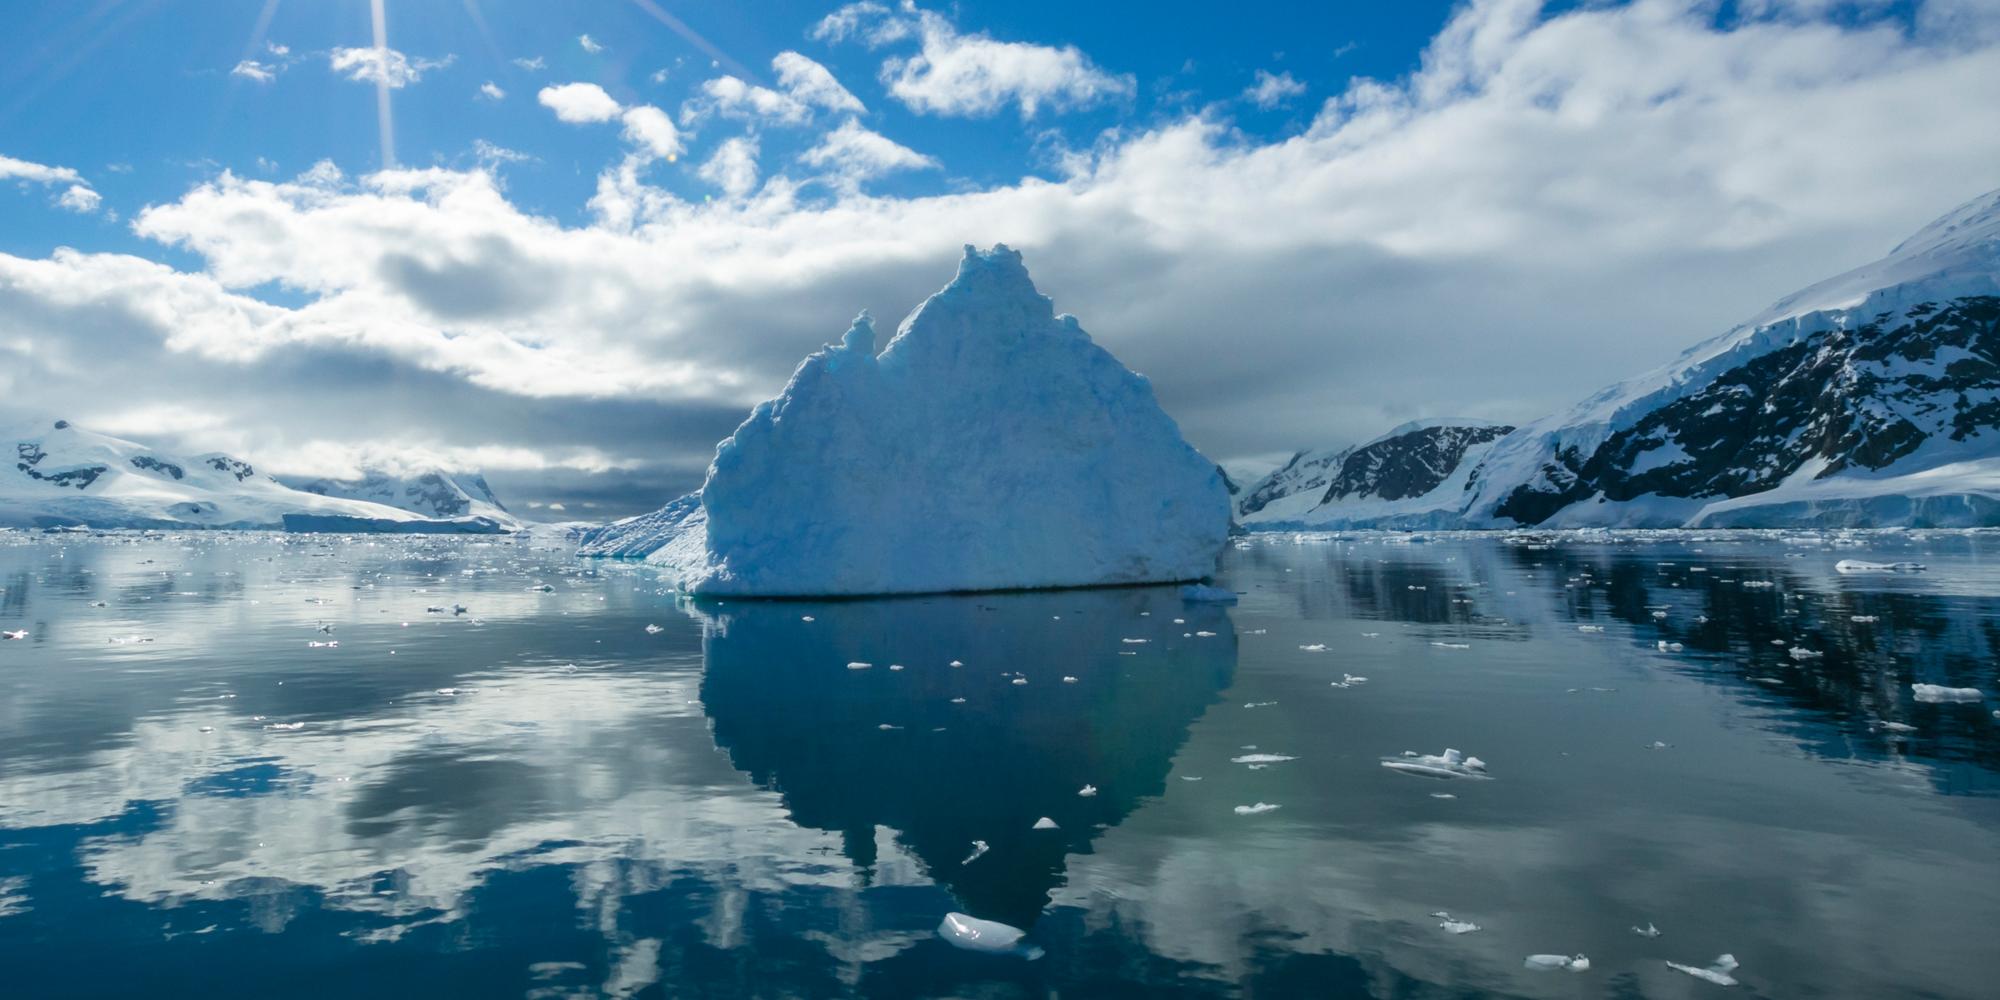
1938 693
447 692
1190 777
1863 619
1718 971
1020 680
1453 926
1135 642
208 729
1549 963
1317 647
654 630
986 936
895 667
335 644
858 665
1443 795
1657 745
15 634
1896 727
1087 791
1758 584
1261 807
1067 679
1659 614
1348 681
1648 931
1257 631
1202 593
978 848
1864 566
886 727
1045 823
1669 647
1779 642
955 663
1452 645
285 727
1802 653
1590 628
958 701
1261 758
1258 704
1371 635
1204 635
805 618
1449 764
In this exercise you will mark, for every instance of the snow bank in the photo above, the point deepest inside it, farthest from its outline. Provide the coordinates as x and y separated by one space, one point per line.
991 446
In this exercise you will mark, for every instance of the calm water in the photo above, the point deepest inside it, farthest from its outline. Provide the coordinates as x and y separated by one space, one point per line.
540 797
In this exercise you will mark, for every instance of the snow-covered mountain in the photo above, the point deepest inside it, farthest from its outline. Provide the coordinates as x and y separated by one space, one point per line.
1413 476
433 494
65 475
1872 398
991 445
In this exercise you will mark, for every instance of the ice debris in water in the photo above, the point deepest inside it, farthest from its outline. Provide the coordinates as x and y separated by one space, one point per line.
988 936
16 634
1087 791
1261 807
1348 681
1546 963
1317 647
978 848
1203 593
654 630
1452 645
1455 926
1045 823
1718 971
1802 653
1590 628
1261 758
858 665
1449 764
1670 647
1648 931
1936 693
1864 566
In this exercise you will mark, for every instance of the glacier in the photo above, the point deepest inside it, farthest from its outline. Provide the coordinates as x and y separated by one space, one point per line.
992 445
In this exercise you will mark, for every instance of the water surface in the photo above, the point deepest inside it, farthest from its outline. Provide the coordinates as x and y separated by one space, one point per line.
502 782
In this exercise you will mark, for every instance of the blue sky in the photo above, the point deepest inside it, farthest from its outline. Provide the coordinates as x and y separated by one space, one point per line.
1306 223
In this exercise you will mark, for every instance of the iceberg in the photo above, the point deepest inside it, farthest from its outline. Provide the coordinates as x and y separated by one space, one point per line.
990 446
986 936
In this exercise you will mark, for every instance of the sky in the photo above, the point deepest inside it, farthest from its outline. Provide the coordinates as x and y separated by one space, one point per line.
572 243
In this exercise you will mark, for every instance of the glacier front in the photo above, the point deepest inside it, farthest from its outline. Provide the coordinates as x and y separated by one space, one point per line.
992 445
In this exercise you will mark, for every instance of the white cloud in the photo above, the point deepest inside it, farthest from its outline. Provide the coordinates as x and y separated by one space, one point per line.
275 49
852 154
811 83
732 96
973 75
650 129
251 69
733 168
1606 186
383 66
1271 91
579 103
534 65
589 44
78 198
491 91
491 153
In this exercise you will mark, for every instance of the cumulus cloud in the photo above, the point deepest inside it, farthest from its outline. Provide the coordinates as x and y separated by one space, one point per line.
803 85
1606 185
491 91
532 65
76 196
589 44
579 103
384 66
1270 91
972 75
733 168
649 129
852 154
813 84
251 69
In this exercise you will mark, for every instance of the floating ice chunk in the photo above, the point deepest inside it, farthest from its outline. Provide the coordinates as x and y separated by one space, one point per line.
956 663
1317 647
208 729
1190 777
1204 635
958 701
654 630
1669 647
1802 653
805 618
286 727
1648 931
1937 693
1455 926
335 644
1261 758
1864 566
1348 681
1020 680
895 667
1087 791
1135 642
1452 645
1449 764
1548 963
1718 971
1443 795
447 692
1897 727
1371 635
886 727
15 634
858 665
1863 619
1067 679
986 936
1045 823
1261 807
1657 745
978 848
1202 593
1590 628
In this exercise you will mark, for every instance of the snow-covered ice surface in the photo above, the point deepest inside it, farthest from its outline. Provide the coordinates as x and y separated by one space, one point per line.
433 494
990 446
61 474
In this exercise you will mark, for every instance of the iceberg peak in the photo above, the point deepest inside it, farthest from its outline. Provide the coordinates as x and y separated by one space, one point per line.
991 445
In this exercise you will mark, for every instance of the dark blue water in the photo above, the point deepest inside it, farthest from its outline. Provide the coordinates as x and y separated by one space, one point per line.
536 796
